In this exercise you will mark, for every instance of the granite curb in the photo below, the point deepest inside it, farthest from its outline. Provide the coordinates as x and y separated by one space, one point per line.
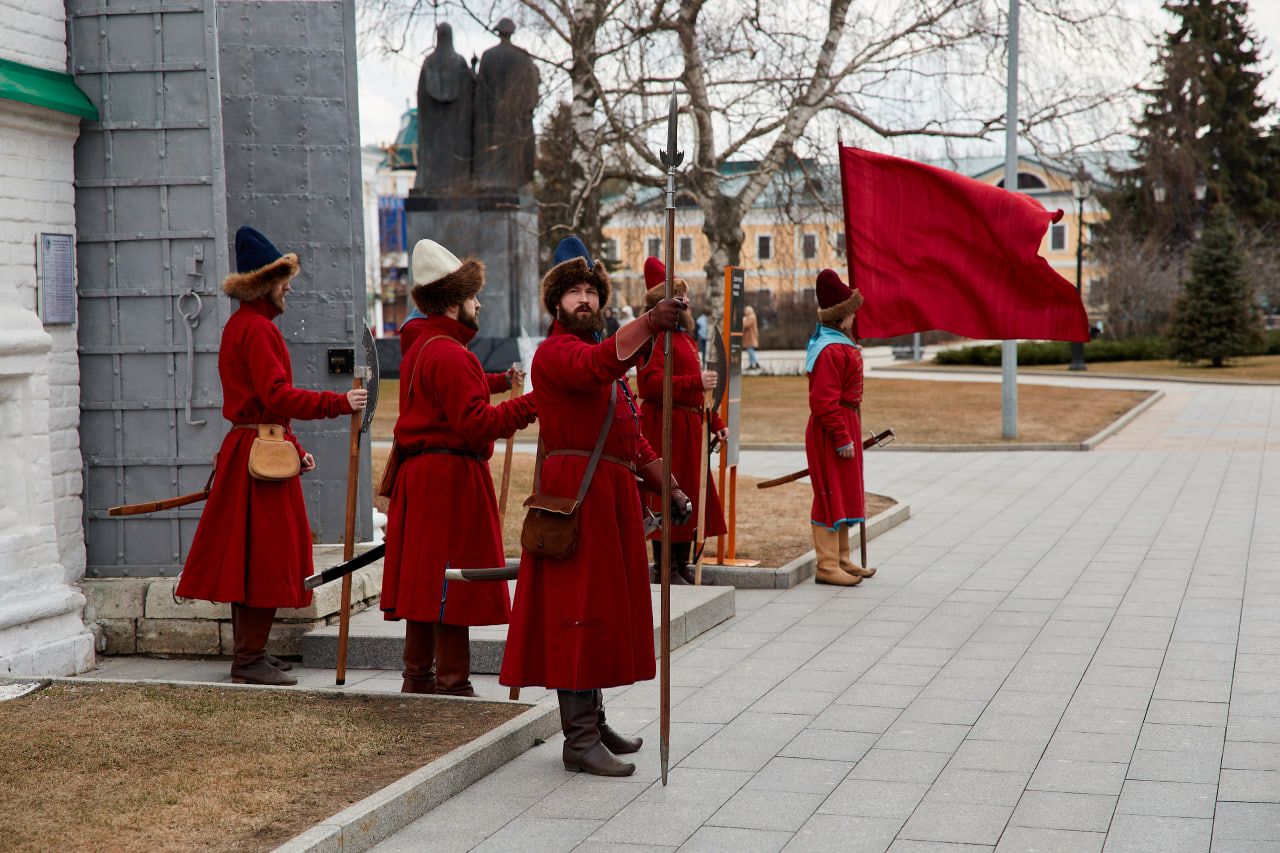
801 568
1121 422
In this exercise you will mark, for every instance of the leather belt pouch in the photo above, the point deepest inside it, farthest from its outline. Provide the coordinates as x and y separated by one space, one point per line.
550 527
273 457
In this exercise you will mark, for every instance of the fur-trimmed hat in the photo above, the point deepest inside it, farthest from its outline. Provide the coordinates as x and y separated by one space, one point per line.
440 280
259 266
572 264
655 278
836 300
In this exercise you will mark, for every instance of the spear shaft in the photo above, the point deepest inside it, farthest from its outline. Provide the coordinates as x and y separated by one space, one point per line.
671 158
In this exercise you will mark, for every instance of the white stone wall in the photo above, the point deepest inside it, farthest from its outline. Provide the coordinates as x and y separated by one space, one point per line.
42 557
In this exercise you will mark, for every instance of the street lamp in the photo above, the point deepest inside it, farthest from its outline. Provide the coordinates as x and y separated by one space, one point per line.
1081 188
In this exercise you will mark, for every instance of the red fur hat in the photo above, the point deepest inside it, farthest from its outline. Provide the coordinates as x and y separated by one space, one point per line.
655 272
836 300
655 279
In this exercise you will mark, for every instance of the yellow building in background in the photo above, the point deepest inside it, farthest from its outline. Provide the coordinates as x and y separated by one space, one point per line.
796 228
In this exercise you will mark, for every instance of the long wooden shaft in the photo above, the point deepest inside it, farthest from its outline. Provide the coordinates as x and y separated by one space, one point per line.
157 506
862 537
704 474
668 363
733 511
506 470
349 537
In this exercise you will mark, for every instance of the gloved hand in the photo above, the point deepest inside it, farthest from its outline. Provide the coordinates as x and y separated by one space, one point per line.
666 315
681 506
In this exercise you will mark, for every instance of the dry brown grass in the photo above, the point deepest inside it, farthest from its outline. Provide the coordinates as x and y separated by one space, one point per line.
1260 368
773 524
134 767
775 410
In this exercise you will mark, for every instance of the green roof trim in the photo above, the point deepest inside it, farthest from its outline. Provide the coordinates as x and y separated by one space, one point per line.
49 89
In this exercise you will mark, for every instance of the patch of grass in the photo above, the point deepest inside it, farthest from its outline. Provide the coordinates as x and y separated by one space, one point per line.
158 768
773 524
775 409
1254 368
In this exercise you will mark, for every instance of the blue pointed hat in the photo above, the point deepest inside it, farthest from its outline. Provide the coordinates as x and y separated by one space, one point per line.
259 265
571 247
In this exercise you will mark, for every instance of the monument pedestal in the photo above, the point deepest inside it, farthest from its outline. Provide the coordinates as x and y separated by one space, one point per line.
501 231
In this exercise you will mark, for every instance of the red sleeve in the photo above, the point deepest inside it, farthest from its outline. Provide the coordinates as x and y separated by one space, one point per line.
497 383
649 377
271 382
291 437
717 422
855 366
463 393
644 451
571 365
824 396
686 390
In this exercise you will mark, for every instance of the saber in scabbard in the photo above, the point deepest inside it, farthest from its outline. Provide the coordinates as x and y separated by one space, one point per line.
164 503
880 439
344 569
671 158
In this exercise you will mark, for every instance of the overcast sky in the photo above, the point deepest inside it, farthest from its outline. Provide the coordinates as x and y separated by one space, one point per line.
388 83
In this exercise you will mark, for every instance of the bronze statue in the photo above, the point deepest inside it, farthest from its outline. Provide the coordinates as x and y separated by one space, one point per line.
446 93
506 95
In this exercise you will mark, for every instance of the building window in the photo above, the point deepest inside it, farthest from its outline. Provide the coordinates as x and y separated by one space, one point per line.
686 249
610 249
655 247
839 244
809 246
764 247
1058 237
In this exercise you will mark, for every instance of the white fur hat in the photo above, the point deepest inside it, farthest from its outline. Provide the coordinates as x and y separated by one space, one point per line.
432 262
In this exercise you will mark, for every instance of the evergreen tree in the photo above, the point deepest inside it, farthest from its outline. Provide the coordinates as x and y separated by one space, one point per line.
1216 317
1204 116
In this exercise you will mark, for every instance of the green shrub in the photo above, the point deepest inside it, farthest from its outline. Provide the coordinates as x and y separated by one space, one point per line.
1033 353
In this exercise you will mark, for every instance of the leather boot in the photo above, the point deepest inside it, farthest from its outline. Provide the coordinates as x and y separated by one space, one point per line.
827 544
453 660
250 629
583 750
680 553
846 561
282 665
614 742
419 657
678 578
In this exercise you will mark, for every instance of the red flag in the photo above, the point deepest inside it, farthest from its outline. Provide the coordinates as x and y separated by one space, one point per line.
932 249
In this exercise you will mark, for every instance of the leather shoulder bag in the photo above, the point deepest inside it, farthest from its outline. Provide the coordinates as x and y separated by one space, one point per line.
551 525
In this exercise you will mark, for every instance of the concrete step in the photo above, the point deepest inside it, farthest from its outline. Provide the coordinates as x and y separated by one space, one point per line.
375 643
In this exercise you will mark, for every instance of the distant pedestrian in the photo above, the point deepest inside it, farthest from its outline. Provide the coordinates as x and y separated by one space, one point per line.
750 336
702 324
611 324
626 316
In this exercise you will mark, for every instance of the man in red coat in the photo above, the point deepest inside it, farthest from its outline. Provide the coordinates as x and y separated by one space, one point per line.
415 325
252 547
585 622
833 438
690 384
443 508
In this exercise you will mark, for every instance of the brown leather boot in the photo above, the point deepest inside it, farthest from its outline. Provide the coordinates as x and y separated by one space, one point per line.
678 577
614 742
282 665
453 660
827 545
419 657
846 560
583 751
250 629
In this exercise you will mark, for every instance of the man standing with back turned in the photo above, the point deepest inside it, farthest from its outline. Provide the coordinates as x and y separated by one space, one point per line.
585 622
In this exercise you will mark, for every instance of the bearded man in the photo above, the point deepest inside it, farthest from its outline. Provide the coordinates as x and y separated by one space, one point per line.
443 509
585 622
252 547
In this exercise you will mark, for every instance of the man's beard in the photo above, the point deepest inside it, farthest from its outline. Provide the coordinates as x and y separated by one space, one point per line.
581 322
471 321
279 301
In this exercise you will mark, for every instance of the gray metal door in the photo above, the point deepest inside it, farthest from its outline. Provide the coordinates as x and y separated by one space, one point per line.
150 206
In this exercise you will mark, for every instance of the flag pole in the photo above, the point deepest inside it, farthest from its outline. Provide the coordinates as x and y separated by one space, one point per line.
1009 349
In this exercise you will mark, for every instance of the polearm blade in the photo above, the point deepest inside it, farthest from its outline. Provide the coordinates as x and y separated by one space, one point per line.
671 158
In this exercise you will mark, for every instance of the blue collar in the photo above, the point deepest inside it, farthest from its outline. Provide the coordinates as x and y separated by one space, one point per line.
823 337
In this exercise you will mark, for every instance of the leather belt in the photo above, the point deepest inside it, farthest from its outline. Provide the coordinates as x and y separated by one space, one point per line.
630 466
447 451
657 404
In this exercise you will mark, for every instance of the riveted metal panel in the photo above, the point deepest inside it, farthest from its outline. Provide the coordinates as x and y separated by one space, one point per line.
150 212
292 153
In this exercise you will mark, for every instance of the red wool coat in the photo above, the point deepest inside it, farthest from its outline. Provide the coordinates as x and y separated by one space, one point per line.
413 330
443 509
686 432
585 622
253 543
835 390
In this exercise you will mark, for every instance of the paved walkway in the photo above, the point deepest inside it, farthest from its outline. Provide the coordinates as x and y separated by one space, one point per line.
1062 652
